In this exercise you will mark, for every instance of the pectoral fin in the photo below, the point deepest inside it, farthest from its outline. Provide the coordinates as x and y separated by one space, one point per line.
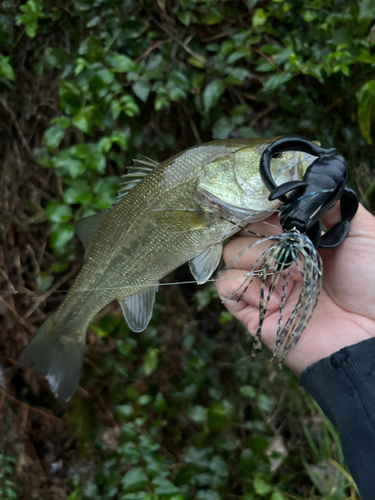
137 309
205 264
87 227
180 220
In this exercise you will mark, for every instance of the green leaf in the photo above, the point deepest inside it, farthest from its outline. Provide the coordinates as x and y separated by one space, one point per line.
225 317
99 331
134 480
309 16
80 151
32 12
212 93
151 361
62 122
6 69
259 18
78 192
277 496
93 22
248 391
251 3
129 106
121 137
261 487
217 416
175 93
164 488
94 50
58 213
81 64
366 109
142 89
82 121
60 235
247 461
180 79
96 161
276 81
130 452
198 63
105 144
105 192
237 76
53 136
70 101
160 403
66 164
44 281
187 17
144 400
121 63
124 411
265 403
247 133
197 413
223 127
366 9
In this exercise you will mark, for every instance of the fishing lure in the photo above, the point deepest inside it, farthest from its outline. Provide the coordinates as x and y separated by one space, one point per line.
273 264
321 186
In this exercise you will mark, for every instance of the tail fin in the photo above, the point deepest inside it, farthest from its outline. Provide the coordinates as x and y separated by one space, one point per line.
57 356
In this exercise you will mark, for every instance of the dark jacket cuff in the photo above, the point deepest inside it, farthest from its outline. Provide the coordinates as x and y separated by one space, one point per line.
344 386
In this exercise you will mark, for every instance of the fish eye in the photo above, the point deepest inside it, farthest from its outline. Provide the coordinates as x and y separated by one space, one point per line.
277 155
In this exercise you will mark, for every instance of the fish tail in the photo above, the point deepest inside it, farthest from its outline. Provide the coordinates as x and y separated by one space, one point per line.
57 354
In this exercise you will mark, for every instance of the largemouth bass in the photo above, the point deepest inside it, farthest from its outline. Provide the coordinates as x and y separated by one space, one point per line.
167 214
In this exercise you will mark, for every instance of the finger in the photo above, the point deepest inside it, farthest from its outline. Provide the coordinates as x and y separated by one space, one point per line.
248 245
242 253
235 285
332 217
361 225
238 293
254 254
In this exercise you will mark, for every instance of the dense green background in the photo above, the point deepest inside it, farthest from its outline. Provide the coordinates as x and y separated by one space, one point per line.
179 411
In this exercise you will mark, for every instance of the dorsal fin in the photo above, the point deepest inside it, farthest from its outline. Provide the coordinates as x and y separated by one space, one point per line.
137 172
87 227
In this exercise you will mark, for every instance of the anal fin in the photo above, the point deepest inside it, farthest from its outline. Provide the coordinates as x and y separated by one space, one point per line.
137 309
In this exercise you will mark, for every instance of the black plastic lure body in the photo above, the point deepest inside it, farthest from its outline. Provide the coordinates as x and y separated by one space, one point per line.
322 185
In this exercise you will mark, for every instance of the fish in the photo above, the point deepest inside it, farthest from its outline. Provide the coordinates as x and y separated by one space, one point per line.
169 213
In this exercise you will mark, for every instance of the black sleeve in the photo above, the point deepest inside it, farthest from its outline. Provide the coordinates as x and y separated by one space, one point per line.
344 387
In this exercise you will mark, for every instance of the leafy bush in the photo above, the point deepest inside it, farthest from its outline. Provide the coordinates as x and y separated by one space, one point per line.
92 84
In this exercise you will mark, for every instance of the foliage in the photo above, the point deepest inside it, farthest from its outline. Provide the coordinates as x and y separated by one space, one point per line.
93 84
7 477
124 65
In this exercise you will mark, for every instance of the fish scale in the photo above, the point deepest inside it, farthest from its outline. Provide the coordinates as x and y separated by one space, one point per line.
179 212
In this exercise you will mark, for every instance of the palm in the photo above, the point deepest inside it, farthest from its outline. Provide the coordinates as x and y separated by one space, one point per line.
345 313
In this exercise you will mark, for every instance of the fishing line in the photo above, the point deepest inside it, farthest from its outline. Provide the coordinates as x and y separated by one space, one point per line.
293 164
83 290
313 195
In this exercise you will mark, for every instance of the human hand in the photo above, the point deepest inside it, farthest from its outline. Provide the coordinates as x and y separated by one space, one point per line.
345 313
